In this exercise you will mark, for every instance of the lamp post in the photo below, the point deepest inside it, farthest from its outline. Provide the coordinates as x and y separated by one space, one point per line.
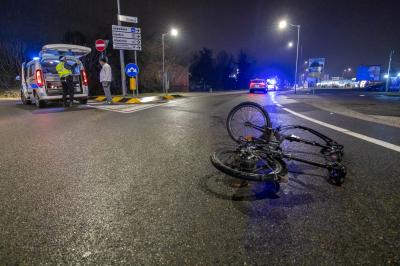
174 33
282 25
388 73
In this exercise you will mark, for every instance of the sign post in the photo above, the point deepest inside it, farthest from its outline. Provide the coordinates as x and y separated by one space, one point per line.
132 71
121 56
127 38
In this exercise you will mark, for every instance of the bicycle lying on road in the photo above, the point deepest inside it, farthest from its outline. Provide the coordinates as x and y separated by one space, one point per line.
259 154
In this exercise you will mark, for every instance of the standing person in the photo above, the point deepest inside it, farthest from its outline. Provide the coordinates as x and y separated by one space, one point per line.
105 79
64 70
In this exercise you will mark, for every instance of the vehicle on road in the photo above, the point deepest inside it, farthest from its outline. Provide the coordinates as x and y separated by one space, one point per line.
272 84
259 154
40 83
258 85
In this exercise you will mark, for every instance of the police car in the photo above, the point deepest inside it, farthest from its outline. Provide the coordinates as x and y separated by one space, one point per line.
40 82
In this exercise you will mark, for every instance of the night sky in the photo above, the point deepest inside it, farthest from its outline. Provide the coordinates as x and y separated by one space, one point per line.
347 33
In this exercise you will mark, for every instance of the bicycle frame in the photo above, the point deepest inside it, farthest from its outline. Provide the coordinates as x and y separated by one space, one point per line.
331 146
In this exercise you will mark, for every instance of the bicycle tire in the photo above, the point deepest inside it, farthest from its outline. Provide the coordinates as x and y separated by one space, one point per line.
255 107
274 176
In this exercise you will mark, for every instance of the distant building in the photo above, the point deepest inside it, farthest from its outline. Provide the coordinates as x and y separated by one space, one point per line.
368 73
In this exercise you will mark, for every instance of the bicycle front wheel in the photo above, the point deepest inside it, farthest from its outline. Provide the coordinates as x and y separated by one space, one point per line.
244 115
231 162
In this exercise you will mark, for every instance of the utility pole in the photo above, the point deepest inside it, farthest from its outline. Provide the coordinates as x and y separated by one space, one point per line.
121 57
388 73
297 58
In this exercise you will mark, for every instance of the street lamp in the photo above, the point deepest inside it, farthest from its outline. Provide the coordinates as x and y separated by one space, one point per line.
290 44
283 24
174 33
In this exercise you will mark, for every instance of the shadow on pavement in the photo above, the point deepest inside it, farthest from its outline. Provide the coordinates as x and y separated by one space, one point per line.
219 186
256 199
53 108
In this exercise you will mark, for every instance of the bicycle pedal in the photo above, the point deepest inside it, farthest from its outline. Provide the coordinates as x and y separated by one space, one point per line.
284 179
239 183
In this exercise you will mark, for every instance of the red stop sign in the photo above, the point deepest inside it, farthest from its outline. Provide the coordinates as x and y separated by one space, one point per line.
100 45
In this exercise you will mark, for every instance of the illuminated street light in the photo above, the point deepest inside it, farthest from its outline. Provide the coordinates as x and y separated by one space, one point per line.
398 74
282 25
174 32
386 76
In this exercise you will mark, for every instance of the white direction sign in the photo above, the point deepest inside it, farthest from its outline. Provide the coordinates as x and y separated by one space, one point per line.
118 46
127 35
126 41
116 28
127 38
127 19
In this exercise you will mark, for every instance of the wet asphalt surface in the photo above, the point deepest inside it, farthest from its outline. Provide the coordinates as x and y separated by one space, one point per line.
87 186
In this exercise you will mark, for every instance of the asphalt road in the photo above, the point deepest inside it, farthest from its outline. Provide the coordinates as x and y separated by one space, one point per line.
91 186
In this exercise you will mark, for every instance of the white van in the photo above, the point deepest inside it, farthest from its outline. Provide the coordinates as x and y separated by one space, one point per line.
40 82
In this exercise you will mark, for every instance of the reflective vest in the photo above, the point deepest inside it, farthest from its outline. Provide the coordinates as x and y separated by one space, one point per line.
62 71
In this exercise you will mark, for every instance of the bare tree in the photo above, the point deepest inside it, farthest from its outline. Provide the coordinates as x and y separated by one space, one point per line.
12 55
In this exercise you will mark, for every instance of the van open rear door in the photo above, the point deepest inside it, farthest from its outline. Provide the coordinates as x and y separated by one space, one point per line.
65 49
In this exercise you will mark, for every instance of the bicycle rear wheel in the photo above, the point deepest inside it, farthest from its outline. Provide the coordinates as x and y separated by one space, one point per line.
247 166
244 114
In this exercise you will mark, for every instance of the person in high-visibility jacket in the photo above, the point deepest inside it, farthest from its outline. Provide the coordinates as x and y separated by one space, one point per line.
64 70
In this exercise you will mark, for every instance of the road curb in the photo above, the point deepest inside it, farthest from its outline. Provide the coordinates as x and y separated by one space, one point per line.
138 100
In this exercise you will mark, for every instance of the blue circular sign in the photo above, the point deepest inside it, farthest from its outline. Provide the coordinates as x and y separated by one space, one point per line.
131 70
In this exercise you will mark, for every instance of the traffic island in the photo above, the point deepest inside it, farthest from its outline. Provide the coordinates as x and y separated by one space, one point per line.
139 100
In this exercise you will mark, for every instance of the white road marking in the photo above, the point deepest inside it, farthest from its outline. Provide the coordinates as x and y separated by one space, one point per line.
125 108
348 132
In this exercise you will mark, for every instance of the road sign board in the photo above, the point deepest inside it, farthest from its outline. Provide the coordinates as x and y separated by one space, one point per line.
116 28
127 47
127 35
127 41
127 19
100 45
131 70
127 38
